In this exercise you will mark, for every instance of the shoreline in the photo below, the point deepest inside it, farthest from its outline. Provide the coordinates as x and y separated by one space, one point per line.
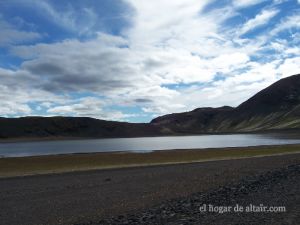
64 163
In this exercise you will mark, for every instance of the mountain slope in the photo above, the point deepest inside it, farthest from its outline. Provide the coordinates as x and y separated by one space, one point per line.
276 107
201 120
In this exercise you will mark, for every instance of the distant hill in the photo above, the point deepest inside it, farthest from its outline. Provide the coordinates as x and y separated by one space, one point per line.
71 127
274 108
201 120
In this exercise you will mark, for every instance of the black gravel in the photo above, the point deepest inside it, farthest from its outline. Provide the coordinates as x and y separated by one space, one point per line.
279 188
156 194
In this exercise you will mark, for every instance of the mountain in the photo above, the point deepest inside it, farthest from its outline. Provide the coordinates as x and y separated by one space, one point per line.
71 127
201 120
275 108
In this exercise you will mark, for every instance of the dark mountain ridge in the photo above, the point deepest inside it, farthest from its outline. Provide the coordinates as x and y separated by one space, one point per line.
200 120
71 127
275 108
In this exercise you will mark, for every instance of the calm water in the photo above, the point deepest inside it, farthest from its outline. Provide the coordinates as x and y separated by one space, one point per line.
143 144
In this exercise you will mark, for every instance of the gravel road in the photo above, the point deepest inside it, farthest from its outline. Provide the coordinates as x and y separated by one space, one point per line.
169 194
272 198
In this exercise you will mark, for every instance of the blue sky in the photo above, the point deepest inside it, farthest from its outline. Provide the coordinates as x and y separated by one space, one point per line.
133 60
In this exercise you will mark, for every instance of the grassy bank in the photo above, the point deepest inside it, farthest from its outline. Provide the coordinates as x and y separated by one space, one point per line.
76 162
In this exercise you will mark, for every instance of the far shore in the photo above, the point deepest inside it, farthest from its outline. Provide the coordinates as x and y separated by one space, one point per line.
65 138
34 165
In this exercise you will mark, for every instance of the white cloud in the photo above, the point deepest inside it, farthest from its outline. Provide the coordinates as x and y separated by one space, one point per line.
78 20
289 22
246 3
89 107
12 35
259 20
289 67
229 62
279 1
11 108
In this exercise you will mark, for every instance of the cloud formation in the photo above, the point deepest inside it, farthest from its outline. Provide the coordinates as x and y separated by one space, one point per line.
12 35
175 56
259 20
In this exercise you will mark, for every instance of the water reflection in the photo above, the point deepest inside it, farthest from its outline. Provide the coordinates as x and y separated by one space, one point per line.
145 144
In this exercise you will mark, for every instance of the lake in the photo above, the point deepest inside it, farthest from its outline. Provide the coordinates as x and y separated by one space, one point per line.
144 144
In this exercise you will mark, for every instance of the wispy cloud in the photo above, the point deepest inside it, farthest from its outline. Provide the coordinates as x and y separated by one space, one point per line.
246 3
287 23
80 21
259 20
12 35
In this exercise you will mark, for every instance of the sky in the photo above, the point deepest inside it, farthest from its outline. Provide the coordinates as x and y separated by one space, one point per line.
133 60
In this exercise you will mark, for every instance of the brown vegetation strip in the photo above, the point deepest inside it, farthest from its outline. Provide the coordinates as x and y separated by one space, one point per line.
75 162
